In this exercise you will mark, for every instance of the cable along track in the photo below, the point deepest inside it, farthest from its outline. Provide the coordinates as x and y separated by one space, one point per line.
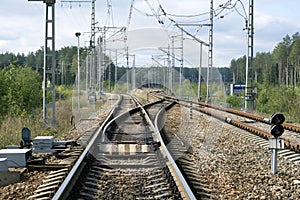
125 162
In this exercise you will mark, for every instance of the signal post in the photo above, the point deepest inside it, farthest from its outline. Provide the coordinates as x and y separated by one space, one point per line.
275 142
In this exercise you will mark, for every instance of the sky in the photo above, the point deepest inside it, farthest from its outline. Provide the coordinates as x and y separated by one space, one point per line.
22 25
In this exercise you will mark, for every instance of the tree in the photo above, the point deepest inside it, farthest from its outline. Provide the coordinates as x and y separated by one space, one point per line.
294 58
264 72
238 67
23 90
280 54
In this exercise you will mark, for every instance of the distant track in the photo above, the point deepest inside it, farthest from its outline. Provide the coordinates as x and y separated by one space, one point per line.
247 121
258 125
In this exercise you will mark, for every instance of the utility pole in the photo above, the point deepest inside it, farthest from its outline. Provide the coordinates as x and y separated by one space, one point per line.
90 64
77 34
199 74
91 70
133 73
169 72
249 94
116 71
49 63
173 64
170 63
92 38
250 44
201 43
109 73
127 69
93 23
87 73
181 66
103 57
174 58
100 63
92 43
247 68
210 55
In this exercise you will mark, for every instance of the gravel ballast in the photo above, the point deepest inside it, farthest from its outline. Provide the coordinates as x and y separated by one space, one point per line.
233 166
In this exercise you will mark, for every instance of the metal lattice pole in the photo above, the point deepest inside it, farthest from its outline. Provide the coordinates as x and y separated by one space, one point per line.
133 73
116 71
210 55
181 66
78 70
250 43
199 74
49 63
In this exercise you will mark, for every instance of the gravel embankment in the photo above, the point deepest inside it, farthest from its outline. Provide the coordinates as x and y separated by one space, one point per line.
234 167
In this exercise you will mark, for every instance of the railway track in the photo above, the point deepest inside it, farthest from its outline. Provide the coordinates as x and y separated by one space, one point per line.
182 154
66 159
123 160
258 126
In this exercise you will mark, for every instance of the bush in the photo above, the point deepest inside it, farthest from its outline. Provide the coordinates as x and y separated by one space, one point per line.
281 99
234 101
21 90
64 91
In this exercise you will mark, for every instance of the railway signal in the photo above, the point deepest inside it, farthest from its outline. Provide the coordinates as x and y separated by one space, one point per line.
276 120
276 143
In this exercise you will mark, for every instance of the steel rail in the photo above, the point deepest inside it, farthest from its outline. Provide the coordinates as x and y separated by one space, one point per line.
66 186
69 182
123 115
295 146
286 125
188 193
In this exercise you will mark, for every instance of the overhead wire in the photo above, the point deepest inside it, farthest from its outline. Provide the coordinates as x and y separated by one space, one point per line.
188 16
243 7
161 13
155 13
180 15
176 23
143 13
79 21
228 5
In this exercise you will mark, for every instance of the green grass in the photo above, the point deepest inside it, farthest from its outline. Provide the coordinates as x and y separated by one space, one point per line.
11 127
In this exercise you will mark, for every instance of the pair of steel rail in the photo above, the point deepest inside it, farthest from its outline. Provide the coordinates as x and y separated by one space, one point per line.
70 180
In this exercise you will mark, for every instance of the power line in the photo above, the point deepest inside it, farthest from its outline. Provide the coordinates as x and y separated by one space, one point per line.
188 16
154 13
143 13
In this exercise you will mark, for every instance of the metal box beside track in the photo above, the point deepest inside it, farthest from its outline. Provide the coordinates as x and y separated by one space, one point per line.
16 157
42 144
3 165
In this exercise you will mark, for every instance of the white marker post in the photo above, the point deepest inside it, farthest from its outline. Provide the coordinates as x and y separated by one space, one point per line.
275 145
